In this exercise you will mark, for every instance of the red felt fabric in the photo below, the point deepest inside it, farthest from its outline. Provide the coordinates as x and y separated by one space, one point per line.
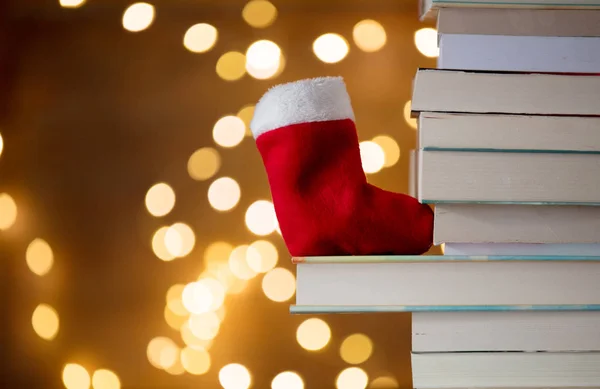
323 201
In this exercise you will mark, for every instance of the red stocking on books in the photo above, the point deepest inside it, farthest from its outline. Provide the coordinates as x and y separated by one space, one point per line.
306 136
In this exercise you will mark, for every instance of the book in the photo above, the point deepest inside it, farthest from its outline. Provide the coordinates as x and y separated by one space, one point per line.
519 53
428 8
519 22
508 177
562 249
448 281
485 223
413 172
505 331
438 90
506 370
444 131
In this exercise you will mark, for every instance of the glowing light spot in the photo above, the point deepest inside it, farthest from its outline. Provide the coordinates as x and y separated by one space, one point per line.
372 157
352 378
331 48
229 131
1 144
238 263
356 349
260 218
160 199
369 35
205 326
313 334
200 38
279 284
174 299
105 379
235 376
39 257
176 369
75 376
216 254
192 340
71 3
204 163
231 66
180 240
138 17
263 59
287 380
197 298
259 13
224 194
173 319
45 322
426 42
263 256
8 211
410 121
158 245
231 283
384 383
246 114
160 352
195 361
390 148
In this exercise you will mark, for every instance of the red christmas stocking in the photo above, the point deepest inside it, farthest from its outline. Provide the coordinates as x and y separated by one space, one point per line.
306 136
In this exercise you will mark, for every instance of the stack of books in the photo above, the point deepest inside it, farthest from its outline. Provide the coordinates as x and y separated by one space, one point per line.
509 155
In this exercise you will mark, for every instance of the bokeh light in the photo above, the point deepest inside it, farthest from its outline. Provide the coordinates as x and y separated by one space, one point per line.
331 48
8 211
159 244
205 326
204 163
216 254
369 35
231 66
412 122
224 194
192 340
260 218
259 13
180 240
356 349
71 3
390 148
426 41
238 263
75 376
384 382
161 352
229 131
287 380
138 17
235 376
313 334
160 199
352 378
39 257
279 284
197 298
264 60
200 38
174 319
262 256
177 368
105 379
45 321
246 113
173 299
195 361
372 157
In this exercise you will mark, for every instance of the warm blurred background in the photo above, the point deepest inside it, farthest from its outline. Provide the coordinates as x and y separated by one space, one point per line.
138 244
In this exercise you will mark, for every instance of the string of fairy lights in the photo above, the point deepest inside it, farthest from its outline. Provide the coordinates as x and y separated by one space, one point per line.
196 309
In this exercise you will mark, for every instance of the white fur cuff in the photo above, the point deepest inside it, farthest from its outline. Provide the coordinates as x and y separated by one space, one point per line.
311 100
